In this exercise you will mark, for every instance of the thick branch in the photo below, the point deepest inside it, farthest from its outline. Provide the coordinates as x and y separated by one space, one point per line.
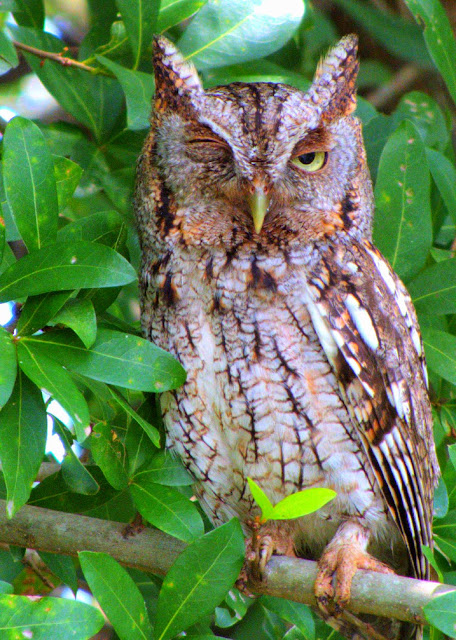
153 551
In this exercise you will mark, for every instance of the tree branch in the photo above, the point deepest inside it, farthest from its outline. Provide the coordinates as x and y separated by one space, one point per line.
60 58
153 551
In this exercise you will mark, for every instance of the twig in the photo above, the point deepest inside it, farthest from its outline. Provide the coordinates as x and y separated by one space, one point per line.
153 551
61 59
401 81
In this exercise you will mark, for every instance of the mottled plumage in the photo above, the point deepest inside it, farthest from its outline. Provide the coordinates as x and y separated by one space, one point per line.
304 361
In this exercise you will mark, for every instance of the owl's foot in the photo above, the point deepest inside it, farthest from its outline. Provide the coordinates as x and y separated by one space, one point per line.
266 540
341 559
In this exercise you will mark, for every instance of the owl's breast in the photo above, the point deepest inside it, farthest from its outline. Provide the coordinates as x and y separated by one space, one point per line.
261 399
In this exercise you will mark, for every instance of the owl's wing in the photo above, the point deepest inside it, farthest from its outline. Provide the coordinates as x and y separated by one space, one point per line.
367 326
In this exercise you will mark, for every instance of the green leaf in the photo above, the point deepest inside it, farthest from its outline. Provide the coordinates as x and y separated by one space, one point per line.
139 17
2 237
443 173
103 227
62 266
439 38
293 612
199 579
63 567
79 315
261 499
48 619
51 376
118 595
8 366
23 429
166 508
28 175
116 358
8 55
225 33
138 88
165 468
67 176
151 431
301 503
29 13
109 454
77 477
173 12
94 100
399 36
402 224
440 350
427 117
434 290
441 612
39 310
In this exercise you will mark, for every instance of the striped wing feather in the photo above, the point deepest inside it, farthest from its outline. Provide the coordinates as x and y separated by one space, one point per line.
368 328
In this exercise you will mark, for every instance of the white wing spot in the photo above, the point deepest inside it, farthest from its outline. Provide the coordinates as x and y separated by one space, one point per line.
363 321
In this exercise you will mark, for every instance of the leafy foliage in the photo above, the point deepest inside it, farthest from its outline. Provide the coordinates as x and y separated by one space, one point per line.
68 261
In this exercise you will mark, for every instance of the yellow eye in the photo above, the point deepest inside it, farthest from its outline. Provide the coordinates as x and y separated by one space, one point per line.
312 161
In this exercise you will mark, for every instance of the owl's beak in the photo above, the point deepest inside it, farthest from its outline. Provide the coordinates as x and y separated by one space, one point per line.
259 203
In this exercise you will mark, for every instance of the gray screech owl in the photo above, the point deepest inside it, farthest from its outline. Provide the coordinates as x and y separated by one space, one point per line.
305 365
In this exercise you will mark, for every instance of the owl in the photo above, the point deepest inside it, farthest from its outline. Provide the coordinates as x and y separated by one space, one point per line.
305 365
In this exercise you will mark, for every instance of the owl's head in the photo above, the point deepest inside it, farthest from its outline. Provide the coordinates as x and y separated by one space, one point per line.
261 162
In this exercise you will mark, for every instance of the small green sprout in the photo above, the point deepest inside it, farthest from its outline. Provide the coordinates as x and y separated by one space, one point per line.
294 506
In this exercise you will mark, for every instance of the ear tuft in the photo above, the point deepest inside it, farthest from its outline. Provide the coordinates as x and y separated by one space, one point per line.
175 79
334 87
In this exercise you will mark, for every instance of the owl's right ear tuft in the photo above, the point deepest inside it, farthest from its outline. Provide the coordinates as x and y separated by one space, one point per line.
176 80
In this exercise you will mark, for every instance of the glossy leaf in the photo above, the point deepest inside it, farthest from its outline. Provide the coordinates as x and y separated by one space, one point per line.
63 567
62 266
165 468
237 31
151 431
295 613
103 227
28 174
443 172
109 454
199 579
79 315
441 612
427 117
398 35
76 475
302 503
52 377
116 358
261 499
440 350
118 595
39 310
439 38
434 289
67 176
139 17
94 100
8 366
8 55
2 237
23 429
402 224
166 509
47 619
29 13
138 88
173 12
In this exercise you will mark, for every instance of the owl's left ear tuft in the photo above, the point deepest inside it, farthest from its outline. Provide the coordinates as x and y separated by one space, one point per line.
175 79
334 85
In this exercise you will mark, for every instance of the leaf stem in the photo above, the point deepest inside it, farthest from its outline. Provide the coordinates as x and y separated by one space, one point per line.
60 59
